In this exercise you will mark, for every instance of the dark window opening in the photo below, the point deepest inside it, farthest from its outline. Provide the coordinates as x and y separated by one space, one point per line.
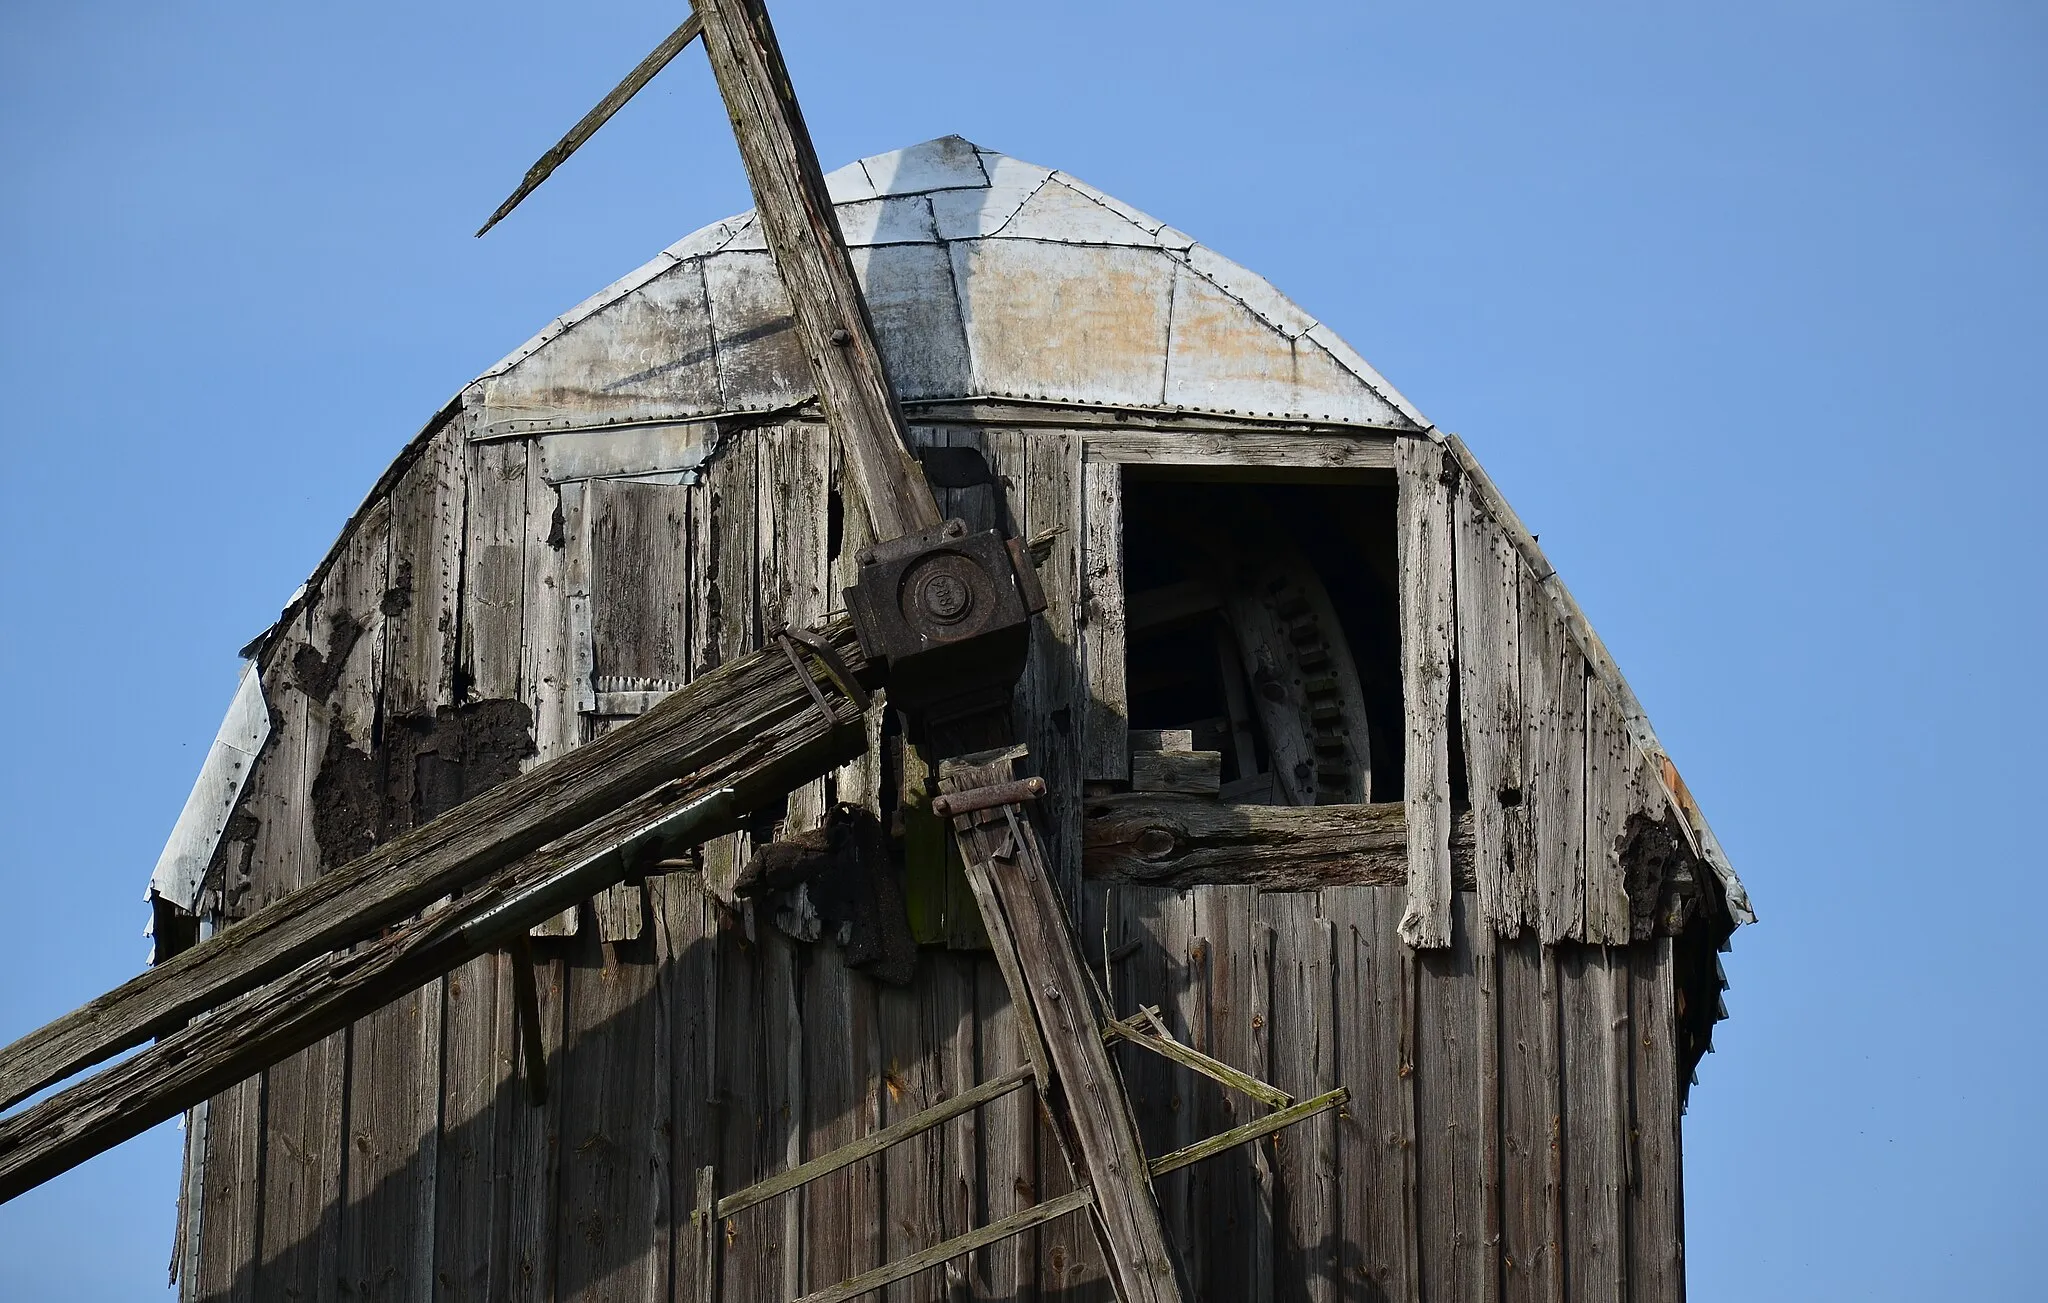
1265 618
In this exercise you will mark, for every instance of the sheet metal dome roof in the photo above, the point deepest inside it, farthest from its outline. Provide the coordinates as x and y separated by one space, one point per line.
986 277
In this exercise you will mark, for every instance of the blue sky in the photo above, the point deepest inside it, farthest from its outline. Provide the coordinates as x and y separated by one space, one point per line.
1744 307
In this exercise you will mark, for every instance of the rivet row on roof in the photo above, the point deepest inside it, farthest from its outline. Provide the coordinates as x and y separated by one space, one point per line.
986 276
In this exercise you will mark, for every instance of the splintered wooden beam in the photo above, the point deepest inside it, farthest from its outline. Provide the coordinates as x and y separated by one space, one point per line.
1085 1096
267 1025
656 60
802 231
740 714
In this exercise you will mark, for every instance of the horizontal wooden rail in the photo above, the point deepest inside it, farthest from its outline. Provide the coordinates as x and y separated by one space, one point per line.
1251 1130
1168 839
846 1155
724 721
890 1272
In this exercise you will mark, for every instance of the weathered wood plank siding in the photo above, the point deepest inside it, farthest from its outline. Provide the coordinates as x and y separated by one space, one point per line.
1513 1129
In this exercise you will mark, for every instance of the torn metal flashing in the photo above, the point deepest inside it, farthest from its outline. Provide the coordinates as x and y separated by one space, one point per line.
181 869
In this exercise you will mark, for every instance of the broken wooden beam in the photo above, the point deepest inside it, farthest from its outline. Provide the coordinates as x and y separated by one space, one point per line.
1164 839
739 714
657 59
802 230
264 1026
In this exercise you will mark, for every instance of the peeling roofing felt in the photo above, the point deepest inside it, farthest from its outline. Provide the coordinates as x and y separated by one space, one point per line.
986 277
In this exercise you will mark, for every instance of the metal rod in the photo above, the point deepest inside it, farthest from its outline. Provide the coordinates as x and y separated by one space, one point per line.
987 798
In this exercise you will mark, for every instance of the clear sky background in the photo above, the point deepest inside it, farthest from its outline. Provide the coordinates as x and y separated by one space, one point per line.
1743 307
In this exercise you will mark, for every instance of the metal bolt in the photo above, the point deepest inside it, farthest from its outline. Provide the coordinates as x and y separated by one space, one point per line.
842 337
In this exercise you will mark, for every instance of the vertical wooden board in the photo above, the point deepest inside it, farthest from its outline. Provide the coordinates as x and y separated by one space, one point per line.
952 978
554 672
1106 721
554 669
1656 1218
1377 1130
638 581
1490 698
387 1217
1456 1114
759 1045
794 506
494 568
525 1204
1426 650
230 1197
859 780
685 936
1006 1270
338 673
1158 922
614 1083
1553 705
1234 1256
1614 767
724 575
913 1172
842 1099
477 1086
1594 1033
426 575
1531 1193
1304 1064
1052 695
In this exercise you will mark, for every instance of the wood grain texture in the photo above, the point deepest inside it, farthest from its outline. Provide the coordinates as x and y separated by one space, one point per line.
1619 785
556 666
1198 772
1375 992
1490 698
1532 1208
1105 754
613 1079
802 230
1593 1020
1053 696
1228 1020
1456 1113
1170 840
1656 1209
1009 1143
725 591
1427 619
230 1197
1553 696
1304 1032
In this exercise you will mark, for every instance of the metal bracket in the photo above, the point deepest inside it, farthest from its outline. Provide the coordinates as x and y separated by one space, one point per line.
948 612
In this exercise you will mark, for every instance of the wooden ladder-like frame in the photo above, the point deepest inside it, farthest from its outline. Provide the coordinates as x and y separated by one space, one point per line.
1049 986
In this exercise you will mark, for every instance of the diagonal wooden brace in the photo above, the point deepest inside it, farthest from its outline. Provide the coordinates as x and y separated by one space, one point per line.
1055 999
